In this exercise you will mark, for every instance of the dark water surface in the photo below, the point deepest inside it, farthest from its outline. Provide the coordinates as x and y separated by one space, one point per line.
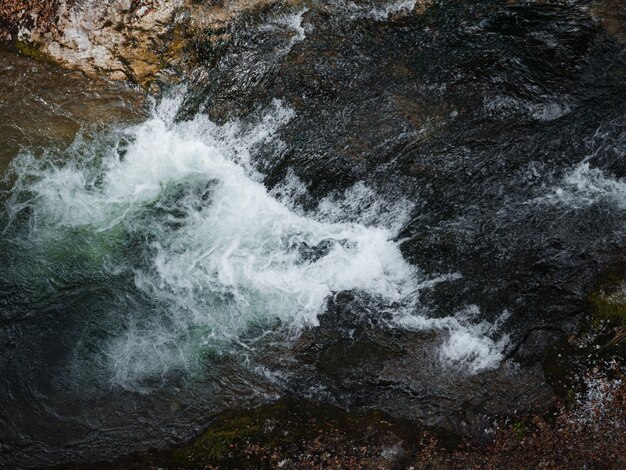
370 207
43 106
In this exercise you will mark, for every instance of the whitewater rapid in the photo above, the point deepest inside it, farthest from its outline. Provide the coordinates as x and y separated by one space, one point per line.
179 207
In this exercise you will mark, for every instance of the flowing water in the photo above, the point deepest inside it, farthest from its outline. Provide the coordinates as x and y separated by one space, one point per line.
395 243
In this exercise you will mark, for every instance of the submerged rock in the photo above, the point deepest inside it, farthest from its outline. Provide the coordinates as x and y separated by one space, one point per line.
63 103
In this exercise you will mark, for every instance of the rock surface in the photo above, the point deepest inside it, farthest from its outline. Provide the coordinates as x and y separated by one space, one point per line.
137 40
118 39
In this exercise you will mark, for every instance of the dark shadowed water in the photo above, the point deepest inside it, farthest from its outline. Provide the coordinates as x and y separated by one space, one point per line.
358 204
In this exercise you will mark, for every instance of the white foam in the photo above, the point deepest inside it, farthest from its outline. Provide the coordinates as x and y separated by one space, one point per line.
293 23
470 344
237 259
220 257
383 13
377 12
358 203
361 203
585 186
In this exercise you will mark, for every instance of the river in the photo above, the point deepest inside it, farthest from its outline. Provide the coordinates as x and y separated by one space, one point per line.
356 204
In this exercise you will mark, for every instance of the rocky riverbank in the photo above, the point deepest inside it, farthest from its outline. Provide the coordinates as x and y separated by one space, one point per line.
138 41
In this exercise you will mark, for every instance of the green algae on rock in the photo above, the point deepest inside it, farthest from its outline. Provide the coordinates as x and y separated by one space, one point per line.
609 302
297 433
31 51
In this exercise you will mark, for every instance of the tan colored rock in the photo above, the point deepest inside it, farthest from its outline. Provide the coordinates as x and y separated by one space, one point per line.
117 39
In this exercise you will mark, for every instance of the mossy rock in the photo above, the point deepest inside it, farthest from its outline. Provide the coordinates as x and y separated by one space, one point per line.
30 50
215 443
300 432
609 302
599 342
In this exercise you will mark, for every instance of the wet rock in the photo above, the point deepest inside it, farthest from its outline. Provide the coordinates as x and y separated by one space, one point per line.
64 100
118 39
288 434
609 301
355 360
612 17
302 433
